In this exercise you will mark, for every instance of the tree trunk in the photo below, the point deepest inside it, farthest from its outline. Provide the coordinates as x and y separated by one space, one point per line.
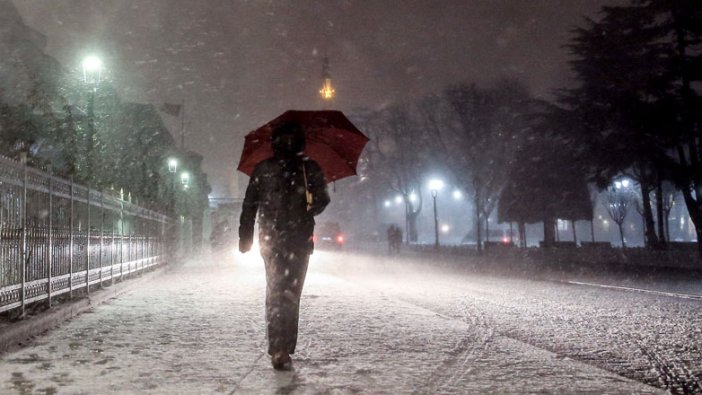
621 234
549 231
659 212
478 225
412 225
487 229
694 209
511 236
592 229
575 236
522 234
649 226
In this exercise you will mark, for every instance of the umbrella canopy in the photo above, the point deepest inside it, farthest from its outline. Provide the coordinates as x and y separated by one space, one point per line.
331 140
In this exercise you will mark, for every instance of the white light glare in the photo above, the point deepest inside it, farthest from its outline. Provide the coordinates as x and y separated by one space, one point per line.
387 203
185 178
457 194
92 63
413 197
436 185
398 199
445 228
172 165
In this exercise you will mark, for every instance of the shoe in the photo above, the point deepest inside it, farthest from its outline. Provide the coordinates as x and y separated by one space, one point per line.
281 361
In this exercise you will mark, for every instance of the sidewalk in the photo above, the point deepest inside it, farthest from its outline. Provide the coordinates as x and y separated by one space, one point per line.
200 329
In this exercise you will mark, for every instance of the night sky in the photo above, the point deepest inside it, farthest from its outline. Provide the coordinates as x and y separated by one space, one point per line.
238 64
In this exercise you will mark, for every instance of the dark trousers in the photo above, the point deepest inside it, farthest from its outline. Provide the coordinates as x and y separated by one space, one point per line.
285 276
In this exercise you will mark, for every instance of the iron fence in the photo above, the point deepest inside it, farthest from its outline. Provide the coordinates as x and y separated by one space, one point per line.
57 237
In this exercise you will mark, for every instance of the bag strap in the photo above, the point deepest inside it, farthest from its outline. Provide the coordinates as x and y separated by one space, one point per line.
308 195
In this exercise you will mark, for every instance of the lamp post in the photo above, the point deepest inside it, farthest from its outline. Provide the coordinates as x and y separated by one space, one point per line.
173 168
92 74
434 187
185 179
186 230
185 182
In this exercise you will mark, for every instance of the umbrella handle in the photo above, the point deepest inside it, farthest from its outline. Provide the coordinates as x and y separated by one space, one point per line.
308 194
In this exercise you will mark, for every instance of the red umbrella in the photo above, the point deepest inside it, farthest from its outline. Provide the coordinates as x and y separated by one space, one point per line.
331 140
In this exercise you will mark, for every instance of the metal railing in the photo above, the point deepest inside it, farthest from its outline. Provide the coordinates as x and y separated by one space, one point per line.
57 237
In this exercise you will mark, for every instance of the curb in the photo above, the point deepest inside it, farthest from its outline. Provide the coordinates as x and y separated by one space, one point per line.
21 333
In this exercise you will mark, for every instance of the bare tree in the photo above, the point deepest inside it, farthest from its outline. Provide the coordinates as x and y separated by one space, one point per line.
396 157
618 201
477 130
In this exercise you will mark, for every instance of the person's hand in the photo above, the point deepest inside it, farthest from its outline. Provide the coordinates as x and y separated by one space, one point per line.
245 246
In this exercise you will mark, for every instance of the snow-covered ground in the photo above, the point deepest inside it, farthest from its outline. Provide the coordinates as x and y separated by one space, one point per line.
368 325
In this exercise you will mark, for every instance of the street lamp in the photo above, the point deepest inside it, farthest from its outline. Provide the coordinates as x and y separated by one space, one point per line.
92 74
173 168
172 165
92 70
435 186
185 179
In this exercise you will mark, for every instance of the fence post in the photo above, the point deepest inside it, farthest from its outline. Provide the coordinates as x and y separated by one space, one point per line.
102 231
112 250
129 249
87 251
143 244
24 254
121 241
71 243
149 253
51 239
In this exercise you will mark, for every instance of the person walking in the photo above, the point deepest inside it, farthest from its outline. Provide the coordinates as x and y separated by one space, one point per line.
391 238
286 191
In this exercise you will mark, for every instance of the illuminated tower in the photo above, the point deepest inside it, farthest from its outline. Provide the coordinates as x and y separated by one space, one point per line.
327 91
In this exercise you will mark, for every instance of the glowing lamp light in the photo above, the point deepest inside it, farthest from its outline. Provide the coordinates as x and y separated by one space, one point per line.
92 63
340 239
185 179
327 91
172 165
436 185
445 228
92 69
398 199
413 197
457 194
387 203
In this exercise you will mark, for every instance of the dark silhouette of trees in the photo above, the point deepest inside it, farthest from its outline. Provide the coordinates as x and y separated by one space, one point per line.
639 99
547 180
71 130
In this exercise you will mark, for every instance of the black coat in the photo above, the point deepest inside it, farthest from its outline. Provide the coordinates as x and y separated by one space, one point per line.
276 192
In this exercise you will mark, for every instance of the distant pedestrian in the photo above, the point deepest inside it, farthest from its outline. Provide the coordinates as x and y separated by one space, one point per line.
394 235
286 191
390 237
398 239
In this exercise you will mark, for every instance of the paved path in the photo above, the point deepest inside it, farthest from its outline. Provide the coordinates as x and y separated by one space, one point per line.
199 328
